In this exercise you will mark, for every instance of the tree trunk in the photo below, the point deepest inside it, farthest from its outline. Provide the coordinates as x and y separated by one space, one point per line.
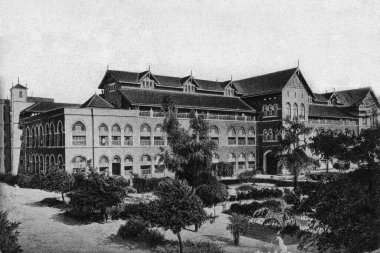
295 180
180 242
327 165
63 197
214 211
236 238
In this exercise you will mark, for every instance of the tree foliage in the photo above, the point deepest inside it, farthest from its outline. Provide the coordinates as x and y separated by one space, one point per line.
191 150
94 192
56 180
346 214
212 194
8 234
238 224
291 153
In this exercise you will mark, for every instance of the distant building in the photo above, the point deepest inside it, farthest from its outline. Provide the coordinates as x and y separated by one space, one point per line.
121 132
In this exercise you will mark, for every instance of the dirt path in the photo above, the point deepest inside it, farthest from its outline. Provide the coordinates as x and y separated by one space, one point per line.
44 229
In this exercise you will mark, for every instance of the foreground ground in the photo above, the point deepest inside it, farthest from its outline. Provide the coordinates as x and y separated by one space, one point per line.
45 229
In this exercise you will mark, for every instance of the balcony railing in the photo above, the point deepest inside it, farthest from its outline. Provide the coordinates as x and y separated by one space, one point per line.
144 113
116 142
145 143
159 143
231 141
128 143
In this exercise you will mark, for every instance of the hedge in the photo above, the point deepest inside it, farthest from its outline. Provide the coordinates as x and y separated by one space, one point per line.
249 209
143 185
263 193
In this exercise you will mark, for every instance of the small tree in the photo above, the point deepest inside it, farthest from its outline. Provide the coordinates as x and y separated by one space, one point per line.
8 234
223 169
177 207
212 194
279 216
57 180
292 148
238 224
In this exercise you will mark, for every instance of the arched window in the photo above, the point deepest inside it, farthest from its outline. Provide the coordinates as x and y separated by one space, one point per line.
116 136
128 165
270 135
79 134
270 110
265 135
78 163
28 137
103 135
145 135
159 136
47 161
251 161
295 111
51 161
146 165
28 164
60 136
104 165
34 137
34 164
52 135
276 132
232 160
116 166
128 136
159 166
47 135
60 162
41 136
241 137
275 109
302 112
231 136
251 136
241 162
40 163
288 111
214 134
265 110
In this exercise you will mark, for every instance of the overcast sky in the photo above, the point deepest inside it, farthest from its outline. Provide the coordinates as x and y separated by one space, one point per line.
61 49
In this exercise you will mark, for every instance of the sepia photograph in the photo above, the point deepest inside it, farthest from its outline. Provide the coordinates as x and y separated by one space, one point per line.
189 126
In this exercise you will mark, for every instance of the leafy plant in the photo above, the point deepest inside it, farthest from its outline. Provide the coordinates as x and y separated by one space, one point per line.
212 194
132 228
238 224
247 176
57 180
8 235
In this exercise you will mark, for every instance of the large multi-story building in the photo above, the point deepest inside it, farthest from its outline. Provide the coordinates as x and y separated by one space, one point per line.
121 130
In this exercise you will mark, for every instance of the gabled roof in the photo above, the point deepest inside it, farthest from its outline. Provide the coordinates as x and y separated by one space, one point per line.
352 97
39 99
331 111
268 83
143 97
19 86
47 106
96 102
323 97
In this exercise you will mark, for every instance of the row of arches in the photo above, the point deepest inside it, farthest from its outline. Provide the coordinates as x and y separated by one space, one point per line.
40 162
270 134
242 161
270 110
45 136
293 112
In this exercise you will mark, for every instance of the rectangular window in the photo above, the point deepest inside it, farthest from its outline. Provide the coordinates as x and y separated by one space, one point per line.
241 141
103 140
251 140
215 139
231 141
251 165
128 170
146 170
116 140
20 94
241 165
79 140
128 141
158 141
145 141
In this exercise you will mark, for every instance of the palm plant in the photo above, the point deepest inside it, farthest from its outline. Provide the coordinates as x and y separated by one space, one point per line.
277 214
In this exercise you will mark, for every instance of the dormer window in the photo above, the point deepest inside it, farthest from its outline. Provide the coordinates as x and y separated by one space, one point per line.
147 84
229 91
111 87
189 87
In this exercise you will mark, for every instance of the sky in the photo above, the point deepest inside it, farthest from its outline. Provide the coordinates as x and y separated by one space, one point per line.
61 49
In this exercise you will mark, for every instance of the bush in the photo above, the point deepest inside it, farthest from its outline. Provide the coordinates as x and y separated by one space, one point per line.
212 194
152 237
190 247
247 176
238 225
51 202
244 188
132 228
249 209
143 185
8 234
127 211
8 178
130 189
262 193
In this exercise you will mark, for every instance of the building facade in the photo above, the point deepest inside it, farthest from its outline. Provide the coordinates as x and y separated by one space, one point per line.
120 131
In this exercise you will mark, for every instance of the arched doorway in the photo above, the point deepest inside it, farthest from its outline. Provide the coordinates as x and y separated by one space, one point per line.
269 163
116 167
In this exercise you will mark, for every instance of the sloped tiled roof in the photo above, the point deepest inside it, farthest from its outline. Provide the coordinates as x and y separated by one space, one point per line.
352 97
323 97
39 99
185 100
47 106
19 86
331 111
268 83
97 102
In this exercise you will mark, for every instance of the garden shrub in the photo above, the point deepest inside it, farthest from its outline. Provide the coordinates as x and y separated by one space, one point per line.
262 193
51 202
212 194
127 211
190 247
247 176
8 179
143 185
132 228
244 188
152 237
249 209
8 235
